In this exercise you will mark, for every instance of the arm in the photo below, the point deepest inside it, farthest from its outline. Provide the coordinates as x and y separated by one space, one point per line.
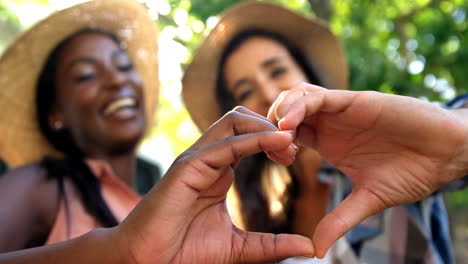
28 206
184 219
97 246
395 149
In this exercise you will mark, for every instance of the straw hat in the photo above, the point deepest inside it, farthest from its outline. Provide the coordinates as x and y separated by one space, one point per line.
21 141
311 36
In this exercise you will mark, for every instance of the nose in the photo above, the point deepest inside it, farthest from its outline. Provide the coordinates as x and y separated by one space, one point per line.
269 91
115 78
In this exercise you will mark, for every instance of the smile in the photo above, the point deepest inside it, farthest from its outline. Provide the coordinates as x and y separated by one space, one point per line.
122 103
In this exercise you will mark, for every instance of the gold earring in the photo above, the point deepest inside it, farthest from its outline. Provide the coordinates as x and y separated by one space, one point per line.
57 125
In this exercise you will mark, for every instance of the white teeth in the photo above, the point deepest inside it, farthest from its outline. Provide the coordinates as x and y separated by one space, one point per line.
118 104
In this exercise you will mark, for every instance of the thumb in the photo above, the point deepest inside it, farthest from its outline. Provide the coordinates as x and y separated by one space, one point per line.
250 247
359 205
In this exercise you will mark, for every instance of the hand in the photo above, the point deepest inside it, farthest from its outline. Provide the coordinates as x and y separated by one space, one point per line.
395 149
184 218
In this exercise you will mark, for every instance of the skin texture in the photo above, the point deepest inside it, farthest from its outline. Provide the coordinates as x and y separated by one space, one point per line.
189 203
93 71
395 149
183 219
256 73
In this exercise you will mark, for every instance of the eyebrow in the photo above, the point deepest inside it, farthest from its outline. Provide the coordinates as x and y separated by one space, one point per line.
117 53
93 60
80 60
238 84
265 64
271 61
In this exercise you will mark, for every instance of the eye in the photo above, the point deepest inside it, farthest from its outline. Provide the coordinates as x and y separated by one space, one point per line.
278 71
85 77
125 68
244 95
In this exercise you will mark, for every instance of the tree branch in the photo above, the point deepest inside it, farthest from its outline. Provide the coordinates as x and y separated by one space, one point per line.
321 8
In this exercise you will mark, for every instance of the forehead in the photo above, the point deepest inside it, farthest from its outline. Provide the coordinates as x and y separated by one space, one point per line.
259 47
88 44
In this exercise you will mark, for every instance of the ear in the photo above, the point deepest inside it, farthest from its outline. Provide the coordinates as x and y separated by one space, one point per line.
56 119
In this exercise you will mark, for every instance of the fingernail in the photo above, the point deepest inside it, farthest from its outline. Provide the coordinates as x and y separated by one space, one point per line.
294 147
280 121
288 131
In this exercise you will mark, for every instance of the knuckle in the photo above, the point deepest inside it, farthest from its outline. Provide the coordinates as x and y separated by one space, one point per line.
239 108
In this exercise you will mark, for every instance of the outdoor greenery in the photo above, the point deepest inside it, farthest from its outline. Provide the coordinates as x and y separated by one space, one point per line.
417 48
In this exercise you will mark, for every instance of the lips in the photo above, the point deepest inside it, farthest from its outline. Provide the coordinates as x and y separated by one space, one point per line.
120 104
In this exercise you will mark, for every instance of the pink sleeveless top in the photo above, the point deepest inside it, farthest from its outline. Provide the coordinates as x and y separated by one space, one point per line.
72 220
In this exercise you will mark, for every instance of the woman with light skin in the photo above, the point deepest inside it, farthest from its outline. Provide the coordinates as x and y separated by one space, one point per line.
395 149
78 92
257 51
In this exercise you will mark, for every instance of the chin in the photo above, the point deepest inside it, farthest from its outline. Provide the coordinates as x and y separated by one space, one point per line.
126 145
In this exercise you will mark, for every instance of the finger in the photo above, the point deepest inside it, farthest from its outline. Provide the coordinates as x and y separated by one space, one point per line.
271 112
250 247
283 102
208 161
174 197
293 111
242 121
284 157
281 105
329 101
353 210
246 111
195 172
236 122
300 88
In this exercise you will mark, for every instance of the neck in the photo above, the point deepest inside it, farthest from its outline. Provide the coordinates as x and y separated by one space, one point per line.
124 166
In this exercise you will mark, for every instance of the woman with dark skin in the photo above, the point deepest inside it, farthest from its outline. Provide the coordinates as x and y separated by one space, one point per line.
100 101
92 107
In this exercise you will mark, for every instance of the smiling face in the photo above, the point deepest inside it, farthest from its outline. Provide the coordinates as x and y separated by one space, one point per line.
258 70
99 96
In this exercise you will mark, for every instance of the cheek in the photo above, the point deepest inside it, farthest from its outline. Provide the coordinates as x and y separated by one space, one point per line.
80 103
256 105
136 79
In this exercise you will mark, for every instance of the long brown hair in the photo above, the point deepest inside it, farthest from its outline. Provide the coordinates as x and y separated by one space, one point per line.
266 191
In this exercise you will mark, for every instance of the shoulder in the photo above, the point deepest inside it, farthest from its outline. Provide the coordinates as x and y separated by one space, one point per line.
29 188
29 203
26 177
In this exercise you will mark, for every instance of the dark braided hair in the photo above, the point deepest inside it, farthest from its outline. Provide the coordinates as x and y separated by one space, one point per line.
254 202
73 166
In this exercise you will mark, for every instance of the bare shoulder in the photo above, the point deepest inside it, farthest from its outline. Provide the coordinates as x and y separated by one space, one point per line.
30 174
28 206
29 182
28 179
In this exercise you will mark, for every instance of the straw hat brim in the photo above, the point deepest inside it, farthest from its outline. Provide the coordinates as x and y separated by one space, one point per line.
311 36
22 62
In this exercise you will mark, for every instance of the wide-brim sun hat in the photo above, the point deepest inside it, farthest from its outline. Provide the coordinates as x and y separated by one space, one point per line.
21 64
312 37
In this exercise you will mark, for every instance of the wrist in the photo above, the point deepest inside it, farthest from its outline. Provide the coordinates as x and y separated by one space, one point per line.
111 244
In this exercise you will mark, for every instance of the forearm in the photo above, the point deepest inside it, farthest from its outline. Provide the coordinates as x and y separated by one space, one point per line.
97 246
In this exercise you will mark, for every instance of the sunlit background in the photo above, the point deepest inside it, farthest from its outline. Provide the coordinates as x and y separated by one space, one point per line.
417 48
393 46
